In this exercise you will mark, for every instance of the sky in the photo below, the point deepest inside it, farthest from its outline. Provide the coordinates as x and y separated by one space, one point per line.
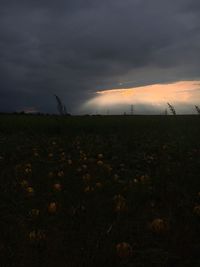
91 53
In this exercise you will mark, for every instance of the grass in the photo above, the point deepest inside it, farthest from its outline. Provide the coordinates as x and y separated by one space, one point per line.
100 190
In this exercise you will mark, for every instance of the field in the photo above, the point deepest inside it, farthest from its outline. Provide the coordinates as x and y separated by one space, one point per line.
99 191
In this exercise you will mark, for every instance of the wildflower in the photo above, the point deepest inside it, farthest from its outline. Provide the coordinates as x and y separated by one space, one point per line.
108 167
119 203
34 212
99 162
152 204
84 166
124 250
69 161
37 235
120 207
159 225
24 183
86 177
61 174
98 185
28 165
50 174
79 169
91 160
88 189
196 210
32 235
30 191
28 170
116 177
164 147
62 156
143 178
52 207
118 198
57 187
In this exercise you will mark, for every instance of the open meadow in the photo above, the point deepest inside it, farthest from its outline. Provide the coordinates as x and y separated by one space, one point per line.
99 191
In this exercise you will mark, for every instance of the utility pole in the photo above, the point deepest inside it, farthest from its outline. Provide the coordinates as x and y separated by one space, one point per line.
132 110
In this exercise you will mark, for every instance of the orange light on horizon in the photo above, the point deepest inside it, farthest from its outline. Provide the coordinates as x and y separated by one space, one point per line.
154 95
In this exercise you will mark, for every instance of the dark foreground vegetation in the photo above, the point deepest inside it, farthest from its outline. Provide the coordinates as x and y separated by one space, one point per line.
99 191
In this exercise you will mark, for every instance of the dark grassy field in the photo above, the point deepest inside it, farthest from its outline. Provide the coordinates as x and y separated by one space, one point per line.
99 191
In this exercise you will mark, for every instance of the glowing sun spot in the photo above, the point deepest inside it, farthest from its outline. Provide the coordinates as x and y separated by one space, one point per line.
155 95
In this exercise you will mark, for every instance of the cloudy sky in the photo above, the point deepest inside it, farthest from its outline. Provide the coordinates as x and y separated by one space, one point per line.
82 49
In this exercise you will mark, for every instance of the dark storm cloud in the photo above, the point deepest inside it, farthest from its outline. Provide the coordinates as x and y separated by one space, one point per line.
74 47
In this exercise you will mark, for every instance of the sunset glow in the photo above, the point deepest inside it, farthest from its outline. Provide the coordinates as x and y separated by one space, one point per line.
183 92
